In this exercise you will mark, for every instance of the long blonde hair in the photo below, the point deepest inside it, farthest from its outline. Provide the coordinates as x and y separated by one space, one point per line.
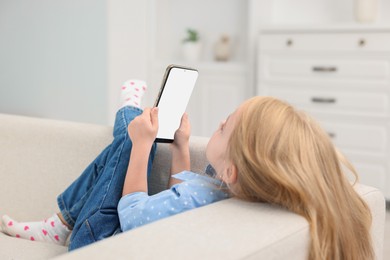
283 157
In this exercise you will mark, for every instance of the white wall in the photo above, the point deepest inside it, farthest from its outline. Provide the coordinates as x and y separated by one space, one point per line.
53 59
127 47
67 59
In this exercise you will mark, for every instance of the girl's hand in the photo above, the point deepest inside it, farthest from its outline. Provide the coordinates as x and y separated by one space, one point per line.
143 129
181 149
182 135
142 132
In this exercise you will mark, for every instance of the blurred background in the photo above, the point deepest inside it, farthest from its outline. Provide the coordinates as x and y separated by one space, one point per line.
67 59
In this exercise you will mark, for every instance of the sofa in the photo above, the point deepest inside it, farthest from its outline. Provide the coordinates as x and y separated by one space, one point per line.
40 157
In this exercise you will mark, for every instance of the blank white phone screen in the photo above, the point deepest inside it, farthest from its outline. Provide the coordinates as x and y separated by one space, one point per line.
174 99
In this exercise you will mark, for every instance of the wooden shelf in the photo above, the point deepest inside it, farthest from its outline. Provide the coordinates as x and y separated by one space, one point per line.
229 66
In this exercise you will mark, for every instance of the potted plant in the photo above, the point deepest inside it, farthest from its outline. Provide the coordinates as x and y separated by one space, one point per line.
192 45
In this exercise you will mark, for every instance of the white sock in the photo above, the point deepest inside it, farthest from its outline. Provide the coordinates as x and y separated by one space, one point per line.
51 230
132 92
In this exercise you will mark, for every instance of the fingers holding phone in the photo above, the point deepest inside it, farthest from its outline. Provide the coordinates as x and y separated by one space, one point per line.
182 134
143 129
180 148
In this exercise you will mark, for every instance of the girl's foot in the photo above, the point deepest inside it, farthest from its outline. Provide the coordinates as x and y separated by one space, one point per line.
132 92
50 230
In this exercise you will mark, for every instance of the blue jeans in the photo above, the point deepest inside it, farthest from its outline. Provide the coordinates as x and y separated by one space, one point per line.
89 204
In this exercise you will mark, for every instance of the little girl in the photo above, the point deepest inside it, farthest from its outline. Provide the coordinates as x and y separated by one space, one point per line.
110 196
265 151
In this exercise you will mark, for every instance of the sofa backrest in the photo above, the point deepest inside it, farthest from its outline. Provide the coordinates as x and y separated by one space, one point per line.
41 157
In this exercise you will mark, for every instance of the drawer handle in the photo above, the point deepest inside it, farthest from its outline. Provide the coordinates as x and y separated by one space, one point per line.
362 42
324 69
323 100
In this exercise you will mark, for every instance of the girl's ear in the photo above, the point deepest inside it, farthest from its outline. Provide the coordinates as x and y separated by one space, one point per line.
231 176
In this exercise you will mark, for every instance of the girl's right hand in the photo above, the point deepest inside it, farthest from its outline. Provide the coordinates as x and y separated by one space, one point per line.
143 129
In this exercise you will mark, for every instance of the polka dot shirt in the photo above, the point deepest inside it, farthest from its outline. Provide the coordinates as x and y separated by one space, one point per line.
138 208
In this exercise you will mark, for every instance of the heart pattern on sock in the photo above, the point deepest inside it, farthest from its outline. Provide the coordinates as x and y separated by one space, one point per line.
52 230
132 92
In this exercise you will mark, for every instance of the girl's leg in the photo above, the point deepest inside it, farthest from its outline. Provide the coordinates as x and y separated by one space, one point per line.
98 217
72 201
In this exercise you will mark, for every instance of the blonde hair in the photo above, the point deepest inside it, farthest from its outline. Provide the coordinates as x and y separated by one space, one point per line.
283 157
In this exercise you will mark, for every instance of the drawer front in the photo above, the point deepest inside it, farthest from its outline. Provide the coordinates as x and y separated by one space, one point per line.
326 68
356 103
358 137
365 41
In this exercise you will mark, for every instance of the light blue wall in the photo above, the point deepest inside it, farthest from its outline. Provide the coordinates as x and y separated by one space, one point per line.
53 57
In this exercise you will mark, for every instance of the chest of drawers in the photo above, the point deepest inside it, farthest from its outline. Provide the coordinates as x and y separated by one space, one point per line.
342 79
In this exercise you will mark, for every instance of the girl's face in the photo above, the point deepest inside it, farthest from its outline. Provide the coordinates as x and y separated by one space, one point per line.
216 151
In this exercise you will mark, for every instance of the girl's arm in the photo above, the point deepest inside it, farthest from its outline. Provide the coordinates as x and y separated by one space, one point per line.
142 131
180 149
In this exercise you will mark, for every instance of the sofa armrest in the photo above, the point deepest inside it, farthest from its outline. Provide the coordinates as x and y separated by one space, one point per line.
228 229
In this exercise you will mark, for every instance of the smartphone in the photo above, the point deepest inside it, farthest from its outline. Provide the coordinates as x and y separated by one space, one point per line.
172 100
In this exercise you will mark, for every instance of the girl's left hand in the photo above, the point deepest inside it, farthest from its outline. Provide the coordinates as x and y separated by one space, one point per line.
143 129
182 135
